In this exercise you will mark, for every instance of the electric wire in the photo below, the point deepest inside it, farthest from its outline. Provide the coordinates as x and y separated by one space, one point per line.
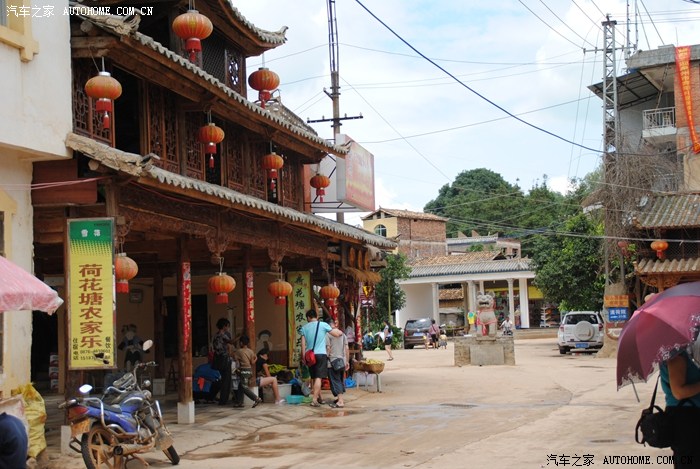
548 25
652 21
552 134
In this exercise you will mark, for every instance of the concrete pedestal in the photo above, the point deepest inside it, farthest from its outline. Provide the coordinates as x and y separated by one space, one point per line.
473 350
65 441
185 412
159 386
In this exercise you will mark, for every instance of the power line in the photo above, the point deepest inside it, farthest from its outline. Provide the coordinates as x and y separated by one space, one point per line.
472 90
549 26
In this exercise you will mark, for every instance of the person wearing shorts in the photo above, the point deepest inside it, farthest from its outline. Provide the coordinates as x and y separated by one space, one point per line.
313 337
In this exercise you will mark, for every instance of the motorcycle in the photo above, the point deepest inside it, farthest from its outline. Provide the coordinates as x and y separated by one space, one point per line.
123 423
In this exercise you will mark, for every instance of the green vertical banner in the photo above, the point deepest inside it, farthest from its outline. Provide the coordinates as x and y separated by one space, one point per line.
91 317
298 304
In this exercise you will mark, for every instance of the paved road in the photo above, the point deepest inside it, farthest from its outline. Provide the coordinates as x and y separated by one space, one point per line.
545 411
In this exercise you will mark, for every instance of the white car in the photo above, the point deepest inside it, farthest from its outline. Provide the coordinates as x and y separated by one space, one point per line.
580 331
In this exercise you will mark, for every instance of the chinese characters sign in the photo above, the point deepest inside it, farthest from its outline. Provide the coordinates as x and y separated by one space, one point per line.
186 279
91 294
297 306
683 68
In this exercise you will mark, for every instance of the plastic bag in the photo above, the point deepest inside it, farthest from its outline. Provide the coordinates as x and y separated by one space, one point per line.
350 383
35 411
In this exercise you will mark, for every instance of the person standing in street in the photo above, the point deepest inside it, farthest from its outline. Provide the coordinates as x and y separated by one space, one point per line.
388 338
471 320
339 363
222 357
313 337
434 333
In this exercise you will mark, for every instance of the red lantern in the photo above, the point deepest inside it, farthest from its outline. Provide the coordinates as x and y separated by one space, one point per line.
272 162
222 285
330 293
124 270
192 27
280 290
104 88
660 246
264 81
320 182
210 135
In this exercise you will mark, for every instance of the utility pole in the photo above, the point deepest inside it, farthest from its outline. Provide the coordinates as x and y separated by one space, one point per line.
335 85
611 127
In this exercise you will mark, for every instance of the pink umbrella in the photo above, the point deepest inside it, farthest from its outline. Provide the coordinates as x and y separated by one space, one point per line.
20 290
664 325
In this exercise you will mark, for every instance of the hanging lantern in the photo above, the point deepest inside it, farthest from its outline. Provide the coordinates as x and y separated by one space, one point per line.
280 290
320 182
330 293
264 81
221 284
272 162
104 88
192 27
124 270
660 246
210 135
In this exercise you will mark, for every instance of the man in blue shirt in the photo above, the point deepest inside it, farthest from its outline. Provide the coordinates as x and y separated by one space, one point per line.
313 337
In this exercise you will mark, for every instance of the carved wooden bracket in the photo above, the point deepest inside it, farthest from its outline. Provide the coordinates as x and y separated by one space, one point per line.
276 255
662 282
217 244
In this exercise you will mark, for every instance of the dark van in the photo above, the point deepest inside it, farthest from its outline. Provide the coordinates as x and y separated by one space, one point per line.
415 332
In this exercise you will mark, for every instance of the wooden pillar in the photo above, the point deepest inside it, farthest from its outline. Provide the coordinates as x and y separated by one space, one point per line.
184 323
249 301
158 323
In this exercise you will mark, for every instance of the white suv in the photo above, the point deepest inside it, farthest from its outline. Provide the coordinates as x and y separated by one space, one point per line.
580 331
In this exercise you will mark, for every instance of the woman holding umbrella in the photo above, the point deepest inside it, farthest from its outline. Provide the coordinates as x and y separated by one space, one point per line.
680 380
663 333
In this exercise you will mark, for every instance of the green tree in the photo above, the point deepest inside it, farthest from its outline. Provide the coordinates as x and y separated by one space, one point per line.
568 265
387 290
478 200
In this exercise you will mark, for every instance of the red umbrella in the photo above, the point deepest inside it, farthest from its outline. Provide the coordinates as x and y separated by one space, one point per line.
20 290
660 328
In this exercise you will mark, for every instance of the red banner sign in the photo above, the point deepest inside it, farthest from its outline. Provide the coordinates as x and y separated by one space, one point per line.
683 70
186 305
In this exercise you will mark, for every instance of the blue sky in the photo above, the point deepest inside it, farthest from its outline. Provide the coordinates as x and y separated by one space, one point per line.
422 126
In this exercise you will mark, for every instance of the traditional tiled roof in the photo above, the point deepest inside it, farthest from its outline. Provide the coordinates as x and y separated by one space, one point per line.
123 27
472 240
681 210
457 258
271 37
668 266
405 214
134 165
479 267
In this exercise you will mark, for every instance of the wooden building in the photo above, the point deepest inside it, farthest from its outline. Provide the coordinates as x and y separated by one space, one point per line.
180 211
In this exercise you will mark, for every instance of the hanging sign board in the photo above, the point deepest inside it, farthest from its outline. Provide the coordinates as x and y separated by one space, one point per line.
298 304
91 305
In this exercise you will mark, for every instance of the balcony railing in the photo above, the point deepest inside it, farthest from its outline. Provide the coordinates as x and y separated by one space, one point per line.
660 118
659 126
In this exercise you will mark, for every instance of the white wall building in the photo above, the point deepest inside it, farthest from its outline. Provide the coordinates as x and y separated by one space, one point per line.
35 117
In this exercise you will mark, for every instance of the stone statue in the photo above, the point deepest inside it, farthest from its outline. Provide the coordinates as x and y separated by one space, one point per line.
486 316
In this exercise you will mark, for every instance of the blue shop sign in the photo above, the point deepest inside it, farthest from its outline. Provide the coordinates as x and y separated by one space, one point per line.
618 314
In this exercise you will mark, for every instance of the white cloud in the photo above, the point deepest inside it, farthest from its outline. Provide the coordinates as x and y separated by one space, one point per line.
496 48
